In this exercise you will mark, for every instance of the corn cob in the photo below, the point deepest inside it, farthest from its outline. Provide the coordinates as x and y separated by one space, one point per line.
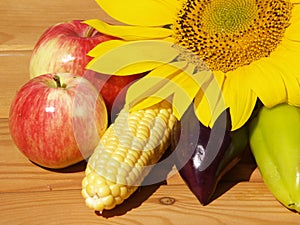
125 154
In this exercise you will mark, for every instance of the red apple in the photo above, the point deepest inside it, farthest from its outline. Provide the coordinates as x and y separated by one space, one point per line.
64 47
113 90
57 120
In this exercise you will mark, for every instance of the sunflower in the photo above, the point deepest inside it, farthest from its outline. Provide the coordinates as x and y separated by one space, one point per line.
244 49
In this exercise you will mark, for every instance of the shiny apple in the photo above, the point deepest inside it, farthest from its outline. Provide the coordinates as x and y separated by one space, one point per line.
56 120
63 47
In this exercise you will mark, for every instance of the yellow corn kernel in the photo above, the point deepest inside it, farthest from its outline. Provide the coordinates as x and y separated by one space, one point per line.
120 162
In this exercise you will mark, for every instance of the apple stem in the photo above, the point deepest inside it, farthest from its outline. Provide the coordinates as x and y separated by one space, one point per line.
89 32
58 83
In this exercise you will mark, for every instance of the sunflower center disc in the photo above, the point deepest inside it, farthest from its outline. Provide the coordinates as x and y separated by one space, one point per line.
227 34
226 17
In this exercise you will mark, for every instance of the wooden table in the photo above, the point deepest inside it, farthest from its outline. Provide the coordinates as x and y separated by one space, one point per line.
32 195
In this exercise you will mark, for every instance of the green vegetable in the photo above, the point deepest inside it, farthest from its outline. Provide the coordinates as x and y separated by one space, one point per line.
275 143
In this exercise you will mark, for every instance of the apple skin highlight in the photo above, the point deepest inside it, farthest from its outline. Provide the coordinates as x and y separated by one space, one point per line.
63 48
56 127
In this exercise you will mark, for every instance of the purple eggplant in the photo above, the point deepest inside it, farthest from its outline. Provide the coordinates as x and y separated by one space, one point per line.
204 155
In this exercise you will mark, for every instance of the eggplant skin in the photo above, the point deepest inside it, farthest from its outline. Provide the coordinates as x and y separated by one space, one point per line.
203 155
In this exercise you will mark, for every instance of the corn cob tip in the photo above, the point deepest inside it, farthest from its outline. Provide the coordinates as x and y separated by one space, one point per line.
100 193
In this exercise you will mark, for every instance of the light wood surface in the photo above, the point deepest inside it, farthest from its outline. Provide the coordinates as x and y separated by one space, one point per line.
32 195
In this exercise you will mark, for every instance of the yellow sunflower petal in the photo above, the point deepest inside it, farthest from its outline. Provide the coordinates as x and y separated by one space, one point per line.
203 109
290 67
141 12
202 77
139 67
295 13
104 47
129 32
173 81
287 59
295 1
185 88
209 102
167 71
141 56
287 45
138 94
293 31
188 86
239 98
293 90
266 82
287 52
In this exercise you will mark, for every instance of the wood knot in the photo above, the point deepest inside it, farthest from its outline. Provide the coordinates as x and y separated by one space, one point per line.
167 200
49 187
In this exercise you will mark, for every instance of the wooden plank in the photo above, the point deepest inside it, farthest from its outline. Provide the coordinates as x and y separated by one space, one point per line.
14 72
25 20
246 203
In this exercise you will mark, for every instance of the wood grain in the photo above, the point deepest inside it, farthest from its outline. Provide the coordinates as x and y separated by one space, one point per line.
240 205
14 72
34 195
23 21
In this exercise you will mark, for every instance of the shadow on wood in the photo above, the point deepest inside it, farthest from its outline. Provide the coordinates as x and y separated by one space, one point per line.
78 167
242 171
